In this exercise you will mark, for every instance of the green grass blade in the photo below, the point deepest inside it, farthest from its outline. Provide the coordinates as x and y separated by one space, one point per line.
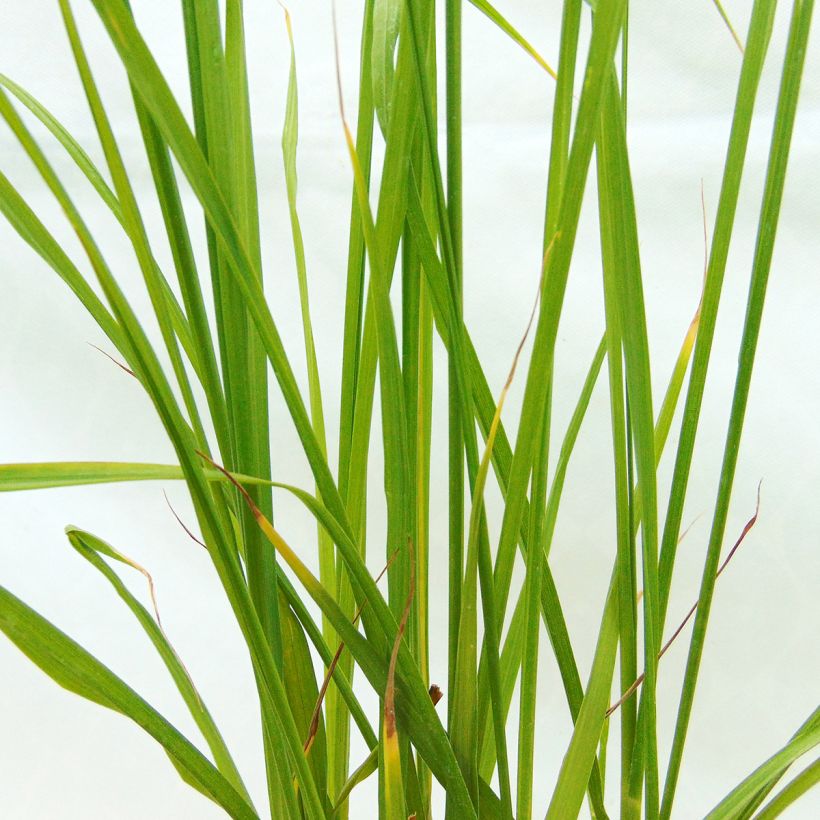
392 780
577 764
72 147
300 682
568 444
290 136
728 22
562 114
157 96
327 560
354 295
807 779
249 382
222 115
314 635
606 27
356 400
14 477
197 353
627 290
455 433
17 477
493 14
92 549
394 422
386 19
132 219
242 154
760 30
24 220
492 622
770 211
551 608
79 672
362 772
205 362
627 615
489 807
424 432
510 663
529 657
200 72
753 804
413 704
461 671
605 33
806 738
553 618
147 366
757 40
758 37
532 593
354 418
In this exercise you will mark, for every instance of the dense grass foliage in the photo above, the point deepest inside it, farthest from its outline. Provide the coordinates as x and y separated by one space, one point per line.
207 377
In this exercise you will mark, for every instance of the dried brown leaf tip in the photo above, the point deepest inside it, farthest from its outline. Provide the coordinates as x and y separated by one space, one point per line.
435 693
314 720
390 693
119 364
640 679
255 511
182 523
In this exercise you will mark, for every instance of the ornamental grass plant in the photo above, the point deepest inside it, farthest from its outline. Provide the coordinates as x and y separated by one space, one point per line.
396 652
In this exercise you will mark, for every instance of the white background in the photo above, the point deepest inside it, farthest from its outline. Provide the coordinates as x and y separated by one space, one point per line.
61 757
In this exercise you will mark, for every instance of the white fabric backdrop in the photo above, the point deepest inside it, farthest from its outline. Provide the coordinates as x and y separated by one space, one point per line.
61 757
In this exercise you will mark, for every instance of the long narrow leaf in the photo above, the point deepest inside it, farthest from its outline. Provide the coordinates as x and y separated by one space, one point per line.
79 672
92 548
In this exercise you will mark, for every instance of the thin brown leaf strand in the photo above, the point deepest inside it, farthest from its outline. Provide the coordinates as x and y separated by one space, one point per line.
119 364
182 523
314 720
633 688
390 694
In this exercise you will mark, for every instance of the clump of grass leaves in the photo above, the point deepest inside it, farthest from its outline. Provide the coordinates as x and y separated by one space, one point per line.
367 640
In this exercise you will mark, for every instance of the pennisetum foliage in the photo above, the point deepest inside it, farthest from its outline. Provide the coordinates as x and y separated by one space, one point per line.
207 377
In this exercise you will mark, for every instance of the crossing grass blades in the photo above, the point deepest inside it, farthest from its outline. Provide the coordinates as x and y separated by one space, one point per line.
405 281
